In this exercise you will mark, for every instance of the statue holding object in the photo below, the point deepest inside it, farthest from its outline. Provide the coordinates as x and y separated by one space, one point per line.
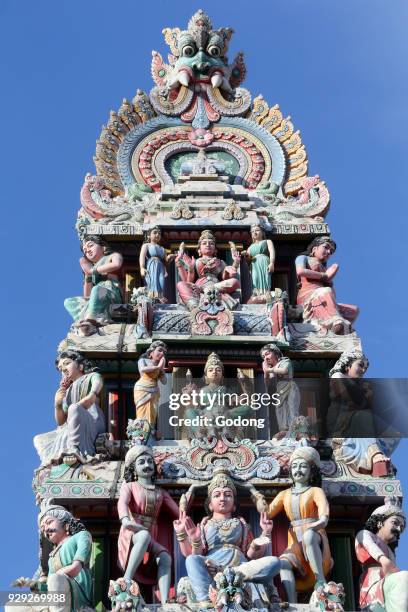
383 586
208 269
307 559
146 390
101 286
152 262
316 293
77 412
139 505
350 417
223 542
279 369
261 257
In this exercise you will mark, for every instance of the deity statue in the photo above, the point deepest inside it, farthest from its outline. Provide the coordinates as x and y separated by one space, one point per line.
316 293
146 391
77 412
223 541
307 559
101 286
279 369
139 505
383 586
350 419
261 256
152 262
68 564
209 269
211 402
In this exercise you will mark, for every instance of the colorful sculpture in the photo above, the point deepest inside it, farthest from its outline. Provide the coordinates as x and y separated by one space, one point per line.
146 391
222 541
139 505
152 262
383 587
101 286
77 412
316 293
279 369
350 419
261 256
209 269
306 560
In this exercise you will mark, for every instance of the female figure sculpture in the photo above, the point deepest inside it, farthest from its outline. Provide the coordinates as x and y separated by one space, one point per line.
222 541
139 505
146 391
261 256
77 413
316 292
152 262
350 416
306 506
101 286
209 269
278 368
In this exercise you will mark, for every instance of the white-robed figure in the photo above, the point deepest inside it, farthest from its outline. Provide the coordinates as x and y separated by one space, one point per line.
383 586
77 412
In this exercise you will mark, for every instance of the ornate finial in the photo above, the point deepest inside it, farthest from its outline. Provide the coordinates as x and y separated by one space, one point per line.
221 479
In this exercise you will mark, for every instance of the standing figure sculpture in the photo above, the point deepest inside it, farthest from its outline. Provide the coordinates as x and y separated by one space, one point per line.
139 505
152 262
316 293
350 420
101 286
279 369
77 412
383 586
208 269
146 390
261 257
223 541
307 559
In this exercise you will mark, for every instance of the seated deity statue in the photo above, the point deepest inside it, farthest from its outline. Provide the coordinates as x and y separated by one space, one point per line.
316 293
139 505
196 274
383 586
146 390
223 541
279 369
350 419
152 262
77 412
307 559
68 574
101 286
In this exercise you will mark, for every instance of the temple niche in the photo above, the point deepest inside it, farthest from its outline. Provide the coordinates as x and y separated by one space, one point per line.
205 275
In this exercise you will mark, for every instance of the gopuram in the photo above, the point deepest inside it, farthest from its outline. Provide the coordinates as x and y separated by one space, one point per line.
205 276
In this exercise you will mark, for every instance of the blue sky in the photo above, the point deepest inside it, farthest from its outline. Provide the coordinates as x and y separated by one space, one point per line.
338 68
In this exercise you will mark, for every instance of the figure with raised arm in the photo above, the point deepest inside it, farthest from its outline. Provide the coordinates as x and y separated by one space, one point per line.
207 269
383 586
316 293
139 505
146 394
101 270
261 257
349 418
279 370
152 262
307 559
223 540
77 412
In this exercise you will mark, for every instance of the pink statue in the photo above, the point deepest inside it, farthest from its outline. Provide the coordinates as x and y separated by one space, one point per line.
209 270
139 505
316 292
